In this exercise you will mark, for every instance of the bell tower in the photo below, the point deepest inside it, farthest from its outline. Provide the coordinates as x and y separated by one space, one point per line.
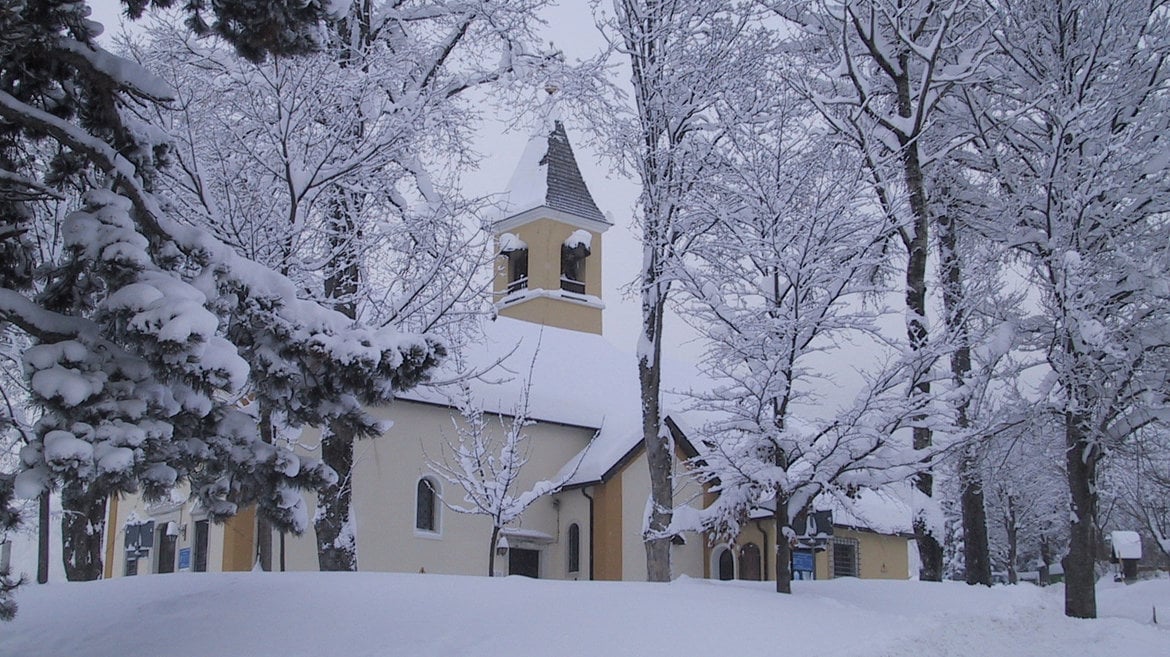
549 240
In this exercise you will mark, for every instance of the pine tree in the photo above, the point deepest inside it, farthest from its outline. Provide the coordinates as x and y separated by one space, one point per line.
149 331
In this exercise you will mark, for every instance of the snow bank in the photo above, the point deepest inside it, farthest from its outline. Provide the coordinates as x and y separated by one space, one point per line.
375 614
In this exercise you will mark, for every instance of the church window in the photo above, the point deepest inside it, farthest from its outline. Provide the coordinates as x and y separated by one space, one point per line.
516 251
517 270
426 508
574 548
573 254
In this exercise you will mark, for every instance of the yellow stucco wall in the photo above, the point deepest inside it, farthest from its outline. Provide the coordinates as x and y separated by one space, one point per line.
238 533
880 556
544 238
121 509
385 482
560 313
607 546
686 559
111 524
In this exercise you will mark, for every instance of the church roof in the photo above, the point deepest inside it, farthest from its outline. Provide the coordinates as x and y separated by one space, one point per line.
568 377
548 176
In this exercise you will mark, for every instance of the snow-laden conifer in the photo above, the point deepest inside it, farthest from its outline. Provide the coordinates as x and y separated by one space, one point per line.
152 335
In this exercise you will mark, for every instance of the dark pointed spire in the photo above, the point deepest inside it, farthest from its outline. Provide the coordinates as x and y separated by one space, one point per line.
556 181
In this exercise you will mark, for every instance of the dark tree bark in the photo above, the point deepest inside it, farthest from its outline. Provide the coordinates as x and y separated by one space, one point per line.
1045 558
43 538
83 523
264 542
263 554
492 552
1080 594
335 550
336 536
976 553
929 548
1011 527
783 549
658 454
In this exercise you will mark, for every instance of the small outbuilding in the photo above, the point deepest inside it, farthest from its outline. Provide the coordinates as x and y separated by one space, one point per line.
1126 552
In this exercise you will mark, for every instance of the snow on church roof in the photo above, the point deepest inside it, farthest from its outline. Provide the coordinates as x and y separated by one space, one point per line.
573 378
548 176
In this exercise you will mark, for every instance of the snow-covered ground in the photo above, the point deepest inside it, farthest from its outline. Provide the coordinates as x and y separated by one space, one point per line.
294 614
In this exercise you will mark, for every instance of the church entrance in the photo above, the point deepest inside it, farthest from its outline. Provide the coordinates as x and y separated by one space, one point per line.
524 562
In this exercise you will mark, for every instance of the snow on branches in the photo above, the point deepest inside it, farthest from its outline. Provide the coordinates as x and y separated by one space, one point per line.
485 463
151 336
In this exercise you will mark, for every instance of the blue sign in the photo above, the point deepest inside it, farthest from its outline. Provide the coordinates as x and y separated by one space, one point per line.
185 558
802 560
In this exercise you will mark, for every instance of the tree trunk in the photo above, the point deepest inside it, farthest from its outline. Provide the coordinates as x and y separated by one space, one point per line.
658 455
783 549
336 536
929 548
83 523
263 554
1045 559
263 542
1080 595
43 538
976 552
492 552
1013 540
336 540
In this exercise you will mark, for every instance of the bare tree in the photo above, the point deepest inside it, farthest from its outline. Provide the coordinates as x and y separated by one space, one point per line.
323 167
878 70
485 462
1137 481
777 281
684 55
1073 134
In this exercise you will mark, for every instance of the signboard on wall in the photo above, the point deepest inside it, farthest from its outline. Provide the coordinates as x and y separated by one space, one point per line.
802 560
185 558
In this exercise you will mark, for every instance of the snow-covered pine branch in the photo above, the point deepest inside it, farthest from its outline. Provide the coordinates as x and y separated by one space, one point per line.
149 328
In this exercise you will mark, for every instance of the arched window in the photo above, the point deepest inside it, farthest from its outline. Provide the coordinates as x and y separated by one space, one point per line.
573 254
426 507
574 548
749 562
517 270
726 565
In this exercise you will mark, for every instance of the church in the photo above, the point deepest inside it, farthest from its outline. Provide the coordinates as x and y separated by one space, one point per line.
543 359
